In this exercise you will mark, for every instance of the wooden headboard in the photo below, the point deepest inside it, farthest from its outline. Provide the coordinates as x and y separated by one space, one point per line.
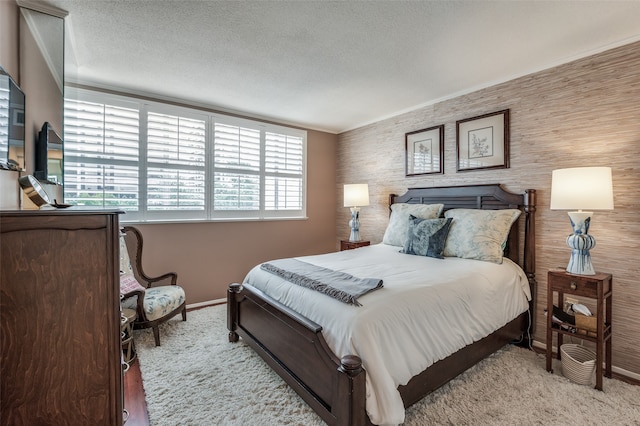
488 197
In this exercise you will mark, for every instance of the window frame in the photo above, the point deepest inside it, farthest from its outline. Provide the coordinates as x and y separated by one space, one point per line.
208 213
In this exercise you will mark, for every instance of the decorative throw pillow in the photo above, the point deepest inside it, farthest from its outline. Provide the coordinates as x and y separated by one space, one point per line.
426 237
479 234
125 262
396 232
128 283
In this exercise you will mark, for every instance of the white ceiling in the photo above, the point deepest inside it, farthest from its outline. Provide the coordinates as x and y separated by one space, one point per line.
327 65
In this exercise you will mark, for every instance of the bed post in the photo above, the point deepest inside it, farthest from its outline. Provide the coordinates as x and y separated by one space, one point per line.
529 261
353 391
232 311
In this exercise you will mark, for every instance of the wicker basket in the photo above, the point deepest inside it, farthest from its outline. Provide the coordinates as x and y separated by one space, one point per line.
578 363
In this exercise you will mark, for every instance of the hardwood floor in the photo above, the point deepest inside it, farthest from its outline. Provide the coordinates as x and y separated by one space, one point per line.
134 397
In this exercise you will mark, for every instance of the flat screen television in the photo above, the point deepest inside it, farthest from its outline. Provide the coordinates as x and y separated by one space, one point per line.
49 156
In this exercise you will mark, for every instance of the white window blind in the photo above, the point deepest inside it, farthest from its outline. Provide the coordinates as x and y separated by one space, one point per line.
161 162
101 150
4 122
175 163
283 169
236 168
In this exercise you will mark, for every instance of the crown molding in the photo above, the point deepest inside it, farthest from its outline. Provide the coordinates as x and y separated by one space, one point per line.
40 6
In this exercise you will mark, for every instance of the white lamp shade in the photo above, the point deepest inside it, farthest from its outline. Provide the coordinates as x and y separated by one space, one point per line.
356 195
582 188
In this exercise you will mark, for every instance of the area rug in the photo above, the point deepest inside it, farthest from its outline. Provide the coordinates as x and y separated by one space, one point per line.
198 378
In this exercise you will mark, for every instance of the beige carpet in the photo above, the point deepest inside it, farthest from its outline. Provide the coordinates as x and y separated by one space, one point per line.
198 378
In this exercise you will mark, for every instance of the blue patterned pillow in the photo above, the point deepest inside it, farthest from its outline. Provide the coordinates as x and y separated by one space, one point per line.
426 237
479 234
396 232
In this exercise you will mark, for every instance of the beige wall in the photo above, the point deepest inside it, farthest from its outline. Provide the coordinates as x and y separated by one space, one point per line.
43 97
9 188
8 38
210 256
586 113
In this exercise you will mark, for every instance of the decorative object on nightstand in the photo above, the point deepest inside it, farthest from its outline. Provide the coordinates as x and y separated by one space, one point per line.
576 189
598 287
350 245
356 196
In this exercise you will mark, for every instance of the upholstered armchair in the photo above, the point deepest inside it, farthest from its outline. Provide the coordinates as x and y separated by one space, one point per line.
155 299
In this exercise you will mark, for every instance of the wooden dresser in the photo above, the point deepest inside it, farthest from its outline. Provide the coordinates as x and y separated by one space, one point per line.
60 318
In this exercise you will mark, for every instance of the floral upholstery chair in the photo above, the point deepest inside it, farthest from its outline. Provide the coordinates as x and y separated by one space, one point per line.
155 299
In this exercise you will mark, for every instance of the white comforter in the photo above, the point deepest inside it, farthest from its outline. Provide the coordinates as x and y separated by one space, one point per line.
428 309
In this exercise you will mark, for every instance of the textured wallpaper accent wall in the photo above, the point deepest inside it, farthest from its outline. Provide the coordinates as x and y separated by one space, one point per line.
585 113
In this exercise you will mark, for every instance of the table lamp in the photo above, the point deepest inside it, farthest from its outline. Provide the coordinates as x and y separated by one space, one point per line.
355 195
588 188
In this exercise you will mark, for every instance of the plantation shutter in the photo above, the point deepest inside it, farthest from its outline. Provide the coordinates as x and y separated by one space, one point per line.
162 162
236 177
4 122
101 153
175 163
283 172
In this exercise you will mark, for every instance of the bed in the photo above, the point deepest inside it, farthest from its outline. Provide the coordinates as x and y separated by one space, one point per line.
328 354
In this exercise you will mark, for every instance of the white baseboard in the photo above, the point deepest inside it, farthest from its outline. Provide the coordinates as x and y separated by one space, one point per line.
206 303
614 369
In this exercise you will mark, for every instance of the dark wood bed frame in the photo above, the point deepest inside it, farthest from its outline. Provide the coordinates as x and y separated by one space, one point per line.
335 388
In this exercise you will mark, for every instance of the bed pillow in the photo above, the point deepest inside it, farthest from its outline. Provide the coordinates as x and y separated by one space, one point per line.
479 234
426 237
396 232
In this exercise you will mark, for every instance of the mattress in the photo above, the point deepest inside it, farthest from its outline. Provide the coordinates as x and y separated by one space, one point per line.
426 310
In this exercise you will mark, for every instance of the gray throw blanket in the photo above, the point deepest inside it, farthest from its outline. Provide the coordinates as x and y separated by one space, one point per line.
339 285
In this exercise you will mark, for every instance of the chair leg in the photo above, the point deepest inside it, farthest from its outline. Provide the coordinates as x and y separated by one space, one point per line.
184 313
156 335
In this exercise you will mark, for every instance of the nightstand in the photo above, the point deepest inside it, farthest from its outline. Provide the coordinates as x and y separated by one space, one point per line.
598 287
349 245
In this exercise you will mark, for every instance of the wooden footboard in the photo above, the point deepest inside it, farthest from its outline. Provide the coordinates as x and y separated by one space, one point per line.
294 347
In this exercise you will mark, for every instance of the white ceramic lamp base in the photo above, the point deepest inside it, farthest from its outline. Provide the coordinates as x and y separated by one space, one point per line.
580 243
354 223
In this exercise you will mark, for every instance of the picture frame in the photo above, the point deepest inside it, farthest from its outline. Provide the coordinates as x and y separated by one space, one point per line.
482 142
424 151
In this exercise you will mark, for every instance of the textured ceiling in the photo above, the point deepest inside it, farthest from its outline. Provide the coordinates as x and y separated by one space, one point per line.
330 66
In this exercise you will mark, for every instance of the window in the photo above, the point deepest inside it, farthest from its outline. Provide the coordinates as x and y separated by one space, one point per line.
4 122
101 154
162 162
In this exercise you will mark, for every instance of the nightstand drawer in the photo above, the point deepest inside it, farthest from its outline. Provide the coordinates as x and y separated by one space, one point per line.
584 285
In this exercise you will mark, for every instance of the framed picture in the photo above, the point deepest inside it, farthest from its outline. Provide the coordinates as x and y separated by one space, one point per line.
424 151
483 142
